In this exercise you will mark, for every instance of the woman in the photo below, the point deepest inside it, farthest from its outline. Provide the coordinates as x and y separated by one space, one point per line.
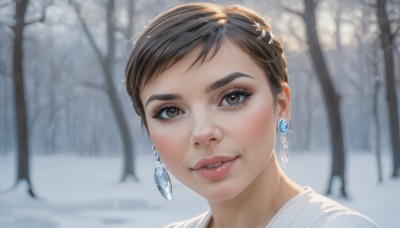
210 84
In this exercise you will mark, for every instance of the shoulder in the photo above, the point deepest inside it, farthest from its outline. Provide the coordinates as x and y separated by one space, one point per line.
333 214
310 209
349 219
198 221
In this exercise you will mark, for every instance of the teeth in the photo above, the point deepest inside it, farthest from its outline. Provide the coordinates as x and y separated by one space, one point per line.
214 165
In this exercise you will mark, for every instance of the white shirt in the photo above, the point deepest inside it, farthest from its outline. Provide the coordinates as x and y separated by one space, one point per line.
307 209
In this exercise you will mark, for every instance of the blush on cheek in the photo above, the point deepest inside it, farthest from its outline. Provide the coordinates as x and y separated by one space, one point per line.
262 121
258 124
166 146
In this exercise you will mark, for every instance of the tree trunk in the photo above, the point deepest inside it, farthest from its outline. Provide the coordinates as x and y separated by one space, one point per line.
4 117
114 100
330 96
375 108
20 106
386 38
106 64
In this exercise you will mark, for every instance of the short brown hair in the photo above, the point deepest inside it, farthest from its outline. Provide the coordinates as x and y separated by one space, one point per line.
176 32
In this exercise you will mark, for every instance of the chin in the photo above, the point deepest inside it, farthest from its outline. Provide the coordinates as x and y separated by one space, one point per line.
220 193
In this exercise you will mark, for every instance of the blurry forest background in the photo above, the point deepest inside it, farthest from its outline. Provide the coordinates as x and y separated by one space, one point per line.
62 70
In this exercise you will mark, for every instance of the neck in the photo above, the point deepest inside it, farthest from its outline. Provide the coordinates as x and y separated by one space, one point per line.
258 203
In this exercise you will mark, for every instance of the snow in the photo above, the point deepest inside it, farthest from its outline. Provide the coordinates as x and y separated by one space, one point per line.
77 191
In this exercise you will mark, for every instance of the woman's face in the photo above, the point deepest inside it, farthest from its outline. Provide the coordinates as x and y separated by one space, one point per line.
214 123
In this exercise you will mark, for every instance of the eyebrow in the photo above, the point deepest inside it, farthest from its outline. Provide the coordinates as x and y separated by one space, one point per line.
226 80
213 86
163 97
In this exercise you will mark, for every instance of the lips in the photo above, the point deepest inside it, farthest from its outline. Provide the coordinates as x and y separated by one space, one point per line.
214 167
213 161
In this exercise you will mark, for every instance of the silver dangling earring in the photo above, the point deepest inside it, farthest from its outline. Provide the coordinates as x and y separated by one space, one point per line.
161 177
283 127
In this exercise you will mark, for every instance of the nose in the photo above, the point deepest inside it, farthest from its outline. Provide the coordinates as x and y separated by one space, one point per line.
205 132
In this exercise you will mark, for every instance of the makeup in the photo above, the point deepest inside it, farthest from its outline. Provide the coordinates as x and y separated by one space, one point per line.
215 167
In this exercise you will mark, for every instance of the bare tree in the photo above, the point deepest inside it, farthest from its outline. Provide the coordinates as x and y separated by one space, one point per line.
23 157
387 37
5 80
19 94
20 106
369 65
332 99
106 61
377 84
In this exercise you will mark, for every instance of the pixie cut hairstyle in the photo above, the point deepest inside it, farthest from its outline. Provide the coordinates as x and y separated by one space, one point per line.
176 32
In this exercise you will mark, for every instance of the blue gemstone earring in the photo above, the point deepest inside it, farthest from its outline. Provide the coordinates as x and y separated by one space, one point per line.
283 127
161 177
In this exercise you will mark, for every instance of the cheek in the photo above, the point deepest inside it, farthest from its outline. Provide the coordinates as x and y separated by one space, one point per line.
169 146
257 126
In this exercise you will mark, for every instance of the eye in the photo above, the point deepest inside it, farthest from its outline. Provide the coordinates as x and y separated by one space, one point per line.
168 112
235 98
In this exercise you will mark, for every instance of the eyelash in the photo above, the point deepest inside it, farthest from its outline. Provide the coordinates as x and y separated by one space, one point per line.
158 113
245 94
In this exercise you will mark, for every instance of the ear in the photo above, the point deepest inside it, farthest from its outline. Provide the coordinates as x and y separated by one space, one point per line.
283 103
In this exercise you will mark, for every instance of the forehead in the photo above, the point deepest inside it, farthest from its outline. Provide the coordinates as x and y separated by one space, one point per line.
229 58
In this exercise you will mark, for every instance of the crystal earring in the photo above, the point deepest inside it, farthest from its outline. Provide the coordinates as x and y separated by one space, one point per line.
161 177
283 127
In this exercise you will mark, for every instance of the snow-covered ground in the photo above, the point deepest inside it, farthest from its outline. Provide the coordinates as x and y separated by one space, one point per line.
84 192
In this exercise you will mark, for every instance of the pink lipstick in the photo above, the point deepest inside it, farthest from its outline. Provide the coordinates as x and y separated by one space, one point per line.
214 167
